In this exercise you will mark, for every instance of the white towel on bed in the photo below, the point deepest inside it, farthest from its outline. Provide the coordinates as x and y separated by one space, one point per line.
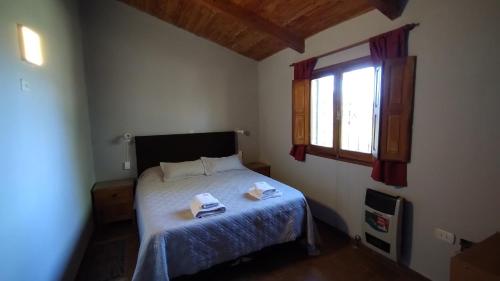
204 205
264 197
201 213
262 190
205 201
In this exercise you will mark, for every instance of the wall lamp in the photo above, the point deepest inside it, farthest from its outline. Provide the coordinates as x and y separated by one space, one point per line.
30 45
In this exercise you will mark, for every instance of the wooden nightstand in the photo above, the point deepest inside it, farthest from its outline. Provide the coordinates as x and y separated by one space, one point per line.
113 201
260 168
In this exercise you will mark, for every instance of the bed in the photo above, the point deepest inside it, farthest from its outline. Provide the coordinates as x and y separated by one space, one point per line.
173 243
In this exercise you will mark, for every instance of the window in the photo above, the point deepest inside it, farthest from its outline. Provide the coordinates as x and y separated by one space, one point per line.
358 89
322 111
342 110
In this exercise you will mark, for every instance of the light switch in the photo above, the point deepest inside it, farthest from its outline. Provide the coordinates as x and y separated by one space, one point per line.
25 85
126 165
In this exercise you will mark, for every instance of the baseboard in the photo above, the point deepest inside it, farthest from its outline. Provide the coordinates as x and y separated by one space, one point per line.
79 250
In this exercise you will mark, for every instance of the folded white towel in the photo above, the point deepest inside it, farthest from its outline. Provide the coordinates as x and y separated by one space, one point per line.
253 193
204 205
205 201
262 189
201 213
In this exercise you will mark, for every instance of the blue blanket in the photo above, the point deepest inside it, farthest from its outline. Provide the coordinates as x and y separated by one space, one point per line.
173 243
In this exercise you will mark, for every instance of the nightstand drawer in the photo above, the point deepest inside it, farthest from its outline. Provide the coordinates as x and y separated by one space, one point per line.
260 168
113 196
113 200
116 212
266 171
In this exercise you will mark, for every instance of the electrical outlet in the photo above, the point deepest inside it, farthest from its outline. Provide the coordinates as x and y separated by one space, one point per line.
126 165
444 235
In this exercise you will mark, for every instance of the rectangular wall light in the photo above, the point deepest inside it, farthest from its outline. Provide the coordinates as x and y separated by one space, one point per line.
30 44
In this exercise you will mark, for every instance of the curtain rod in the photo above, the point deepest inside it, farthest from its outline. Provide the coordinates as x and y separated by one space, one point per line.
348 47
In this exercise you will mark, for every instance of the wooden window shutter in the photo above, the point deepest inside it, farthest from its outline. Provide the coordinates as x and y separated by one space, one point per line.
301 90
396 109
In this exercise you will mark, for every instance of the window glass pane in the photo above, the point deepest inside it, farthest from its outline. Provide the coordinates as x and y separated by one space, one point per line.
322 111
358 89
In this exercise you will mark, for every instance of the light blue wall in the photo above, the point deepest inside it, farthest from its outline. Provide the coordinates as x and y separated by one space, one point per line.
148 77
45 150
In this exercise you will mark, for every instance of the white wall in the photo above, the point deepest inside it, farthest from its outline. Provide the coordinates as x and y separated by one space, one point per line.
149 77
46 157
453 177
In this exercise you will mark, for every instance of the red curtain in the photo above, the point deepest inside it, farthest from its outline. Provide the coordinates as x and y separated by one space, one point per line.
389 45
393 44
302 70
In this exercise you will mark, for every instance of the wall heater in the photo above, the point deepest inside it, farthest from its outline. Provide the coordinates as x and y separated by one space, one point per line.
382 223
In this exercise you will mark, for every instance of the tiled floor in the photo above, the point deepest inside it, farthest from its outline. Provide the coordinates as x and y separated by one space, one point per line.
339 260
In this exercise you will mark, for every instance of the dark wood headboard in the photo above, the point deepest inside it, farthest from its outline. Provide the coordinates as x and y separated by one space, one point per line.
151 150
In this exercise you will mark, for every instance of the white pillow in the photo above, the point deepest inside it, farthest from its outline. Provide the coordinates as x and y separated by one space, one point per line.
215 165
152 173
182 169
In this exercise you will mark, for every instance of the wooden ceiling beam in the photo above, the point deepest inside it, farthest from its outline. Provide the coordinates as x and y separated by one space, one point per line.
390 8
254 21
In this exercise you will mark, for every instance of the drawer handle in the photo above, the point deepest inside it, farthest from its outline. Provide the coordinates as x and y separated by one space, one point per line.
114 195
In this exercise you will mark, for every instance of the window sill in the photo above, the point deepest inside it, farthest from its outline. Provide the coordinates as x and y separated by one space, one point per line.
339 158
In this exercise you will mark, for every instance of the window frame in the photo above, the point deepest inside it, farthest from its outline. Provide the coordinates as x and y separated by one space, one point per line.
336 152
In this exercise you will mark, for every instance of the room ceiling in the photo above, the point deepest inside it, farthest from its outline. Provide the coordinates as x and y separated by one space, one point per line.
260 28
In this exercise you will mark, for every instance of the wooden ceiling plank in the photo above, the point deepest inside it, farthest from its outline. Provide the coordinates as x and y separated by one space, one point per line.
390 8
317 20
253 20
301 18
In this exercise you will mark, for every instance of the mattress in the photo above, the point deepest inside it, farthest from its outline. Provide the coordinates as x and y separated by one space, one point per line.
173 243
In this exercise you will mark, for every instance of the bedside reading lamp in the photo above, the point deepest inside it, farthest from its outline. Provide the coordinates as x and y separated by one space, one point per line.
243 133
127 139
